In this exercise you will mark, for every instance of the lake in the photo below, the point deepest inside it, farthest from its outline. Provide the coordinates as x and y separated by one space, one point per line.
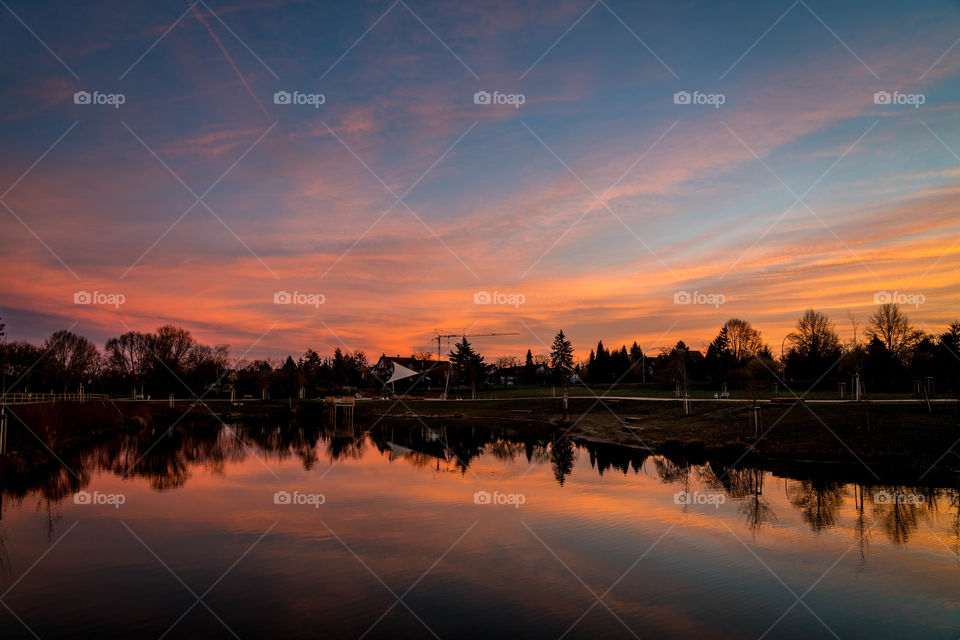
468 532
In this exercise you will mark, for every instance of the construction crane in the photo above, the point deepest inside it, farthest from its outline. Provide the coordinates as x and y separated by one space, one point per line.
446 336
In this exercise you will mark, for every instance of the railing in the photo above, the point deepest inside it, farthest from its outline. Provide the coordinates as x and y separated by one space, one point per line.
44 398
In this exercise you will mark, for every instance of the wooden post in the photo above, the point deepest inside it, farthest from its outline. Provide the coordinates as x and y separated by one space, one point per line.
3 430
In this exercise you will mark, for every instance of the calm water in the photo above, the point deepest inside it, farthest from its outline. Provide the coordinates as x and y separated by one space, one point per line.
585 541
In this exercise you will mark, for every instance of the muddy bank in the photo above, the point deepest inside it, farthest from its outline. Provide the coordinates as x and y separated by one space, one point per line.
906 439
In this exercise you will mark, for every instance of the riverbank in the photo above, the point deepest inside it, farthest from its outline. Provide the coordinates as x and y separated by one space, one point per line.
907 439
907 436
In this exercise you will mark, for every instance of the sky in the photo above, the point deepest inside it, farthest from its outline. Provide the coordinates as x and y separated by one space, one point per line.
278 175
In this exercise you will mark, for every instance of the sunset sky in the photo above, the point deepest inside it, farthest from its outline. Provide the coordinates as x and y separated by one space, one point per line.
397 200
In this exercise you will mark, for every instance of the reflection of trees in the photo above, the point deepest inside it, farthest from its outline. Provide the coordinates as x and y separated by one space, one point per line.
900 518
561 458
860 528
744 484
818 501
606 456
755 508
671 471
955 522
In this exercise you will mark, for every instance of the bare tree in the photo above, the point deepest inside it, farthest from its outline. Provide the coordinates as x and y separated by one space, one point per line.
743 340
814 336
892 327
129 356
71 357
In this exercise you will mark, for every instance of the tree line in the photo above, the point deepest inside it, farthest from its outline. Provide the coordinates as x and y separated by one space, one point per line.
890 353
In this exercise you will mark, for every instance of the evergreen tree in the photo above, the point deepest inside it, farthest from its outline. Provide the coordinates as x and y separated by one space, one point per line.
561 356
467 363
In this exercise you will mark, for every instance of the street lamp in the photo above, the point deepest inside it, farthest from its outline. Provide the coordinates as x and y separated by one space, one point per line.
783 360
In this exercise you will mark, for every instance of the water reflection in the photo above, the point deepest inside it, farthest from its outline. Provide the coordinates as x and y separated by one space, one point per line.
168 460
401 492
